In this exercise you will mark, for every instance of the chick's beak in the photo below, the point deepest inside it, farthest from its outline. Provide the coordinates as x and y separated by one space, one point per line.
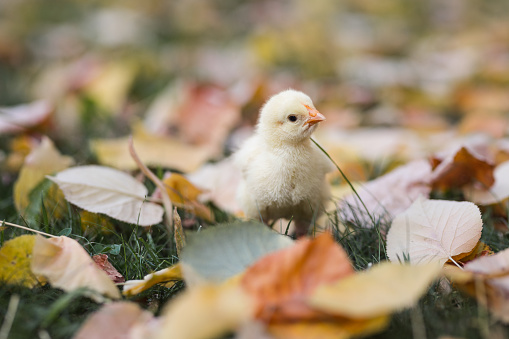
314 116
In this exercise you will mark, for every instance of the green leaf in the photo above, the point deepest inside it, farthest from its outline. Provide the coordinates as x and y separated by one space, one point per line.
65 232
223 251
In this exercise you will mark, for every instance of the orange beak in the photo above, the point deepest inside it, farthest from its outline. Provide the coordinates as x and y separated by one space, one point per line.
314 116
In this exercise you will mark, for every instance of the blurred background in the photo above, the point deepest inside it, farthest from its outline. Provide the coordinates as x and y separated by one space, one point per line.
199 70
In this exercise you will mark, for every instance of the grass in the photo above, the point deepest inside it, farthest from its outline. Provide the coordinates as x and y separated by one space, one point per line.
45 312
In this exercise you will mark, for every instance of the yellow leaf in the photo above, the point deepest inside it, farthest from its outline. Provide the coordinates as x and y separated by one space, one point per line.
205 312
68 266
180 190
168 275
15 260
153 151
95 223
109 88
339 329
184 194
381 290
42 160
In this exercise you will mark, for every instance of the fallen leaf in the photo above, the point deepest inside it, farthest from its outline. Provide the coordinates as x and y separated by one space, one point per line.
105 190
434 230
110 85
224 251
337 329
157 151
485 195
95 223
205 312
281 282
168 275
461 168
101 260
66 265
20 118
185 195
115 320
178 232
15 260
487 279
43 160
389 194
219 182
383 289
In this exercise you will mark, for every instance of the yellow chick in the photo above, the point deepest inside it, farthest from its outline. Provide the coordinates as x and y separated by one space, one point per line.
283 172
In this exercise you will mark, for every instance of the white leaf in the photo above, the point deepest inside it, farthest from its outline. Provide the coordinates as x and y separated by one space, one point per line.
434 230
105 190
498 191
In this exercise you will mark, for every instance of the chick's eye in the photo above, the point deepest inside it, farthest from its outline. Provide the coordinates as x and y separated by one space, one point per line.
292 118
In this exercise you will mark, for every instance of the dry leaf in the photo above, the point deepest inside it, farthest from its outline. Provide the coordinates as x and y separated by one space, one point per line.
101 260
95 223
389 194
115 320
168 275
185 195
105 190
281 282
381 290
434 231
205 312
42 160
15 260
337 329
153 150
486 278
110 85
65 264
461 168
197 114
485 195
219 181
19 118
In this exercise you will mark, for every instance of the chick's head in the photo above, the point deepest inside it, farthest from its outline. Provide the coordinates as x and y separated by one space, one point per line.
288 117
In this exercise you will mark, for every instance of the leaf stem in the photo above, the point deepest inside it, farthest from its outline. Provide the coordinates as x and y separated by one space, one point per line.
28 229
164 194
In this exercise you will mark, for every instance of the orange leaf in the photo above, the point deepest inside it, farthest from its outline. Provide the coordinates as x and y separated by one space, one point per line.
280 282
462 168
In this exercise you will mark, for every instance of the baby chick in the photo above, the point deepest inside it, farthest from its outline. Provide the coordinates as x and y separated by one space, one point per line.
283 172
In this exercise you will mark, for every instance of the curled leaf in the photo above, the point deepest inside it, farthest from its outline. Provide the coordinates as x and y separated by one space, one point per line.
168 275
68 266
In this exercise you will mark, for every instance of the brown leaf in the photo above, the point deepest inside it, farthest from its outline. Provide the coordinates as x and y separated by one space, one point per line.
280 282
68 266
101 260
115 320
461 168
